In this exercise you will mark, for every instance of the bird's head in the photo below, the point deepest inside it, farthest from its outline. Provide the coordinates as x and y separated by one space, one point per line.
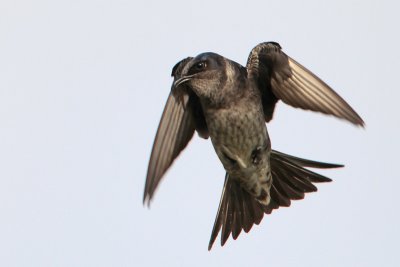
204 74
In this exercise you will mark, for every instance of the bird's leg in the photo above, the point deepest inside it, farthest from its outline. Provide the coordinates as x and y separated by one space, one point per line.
226 151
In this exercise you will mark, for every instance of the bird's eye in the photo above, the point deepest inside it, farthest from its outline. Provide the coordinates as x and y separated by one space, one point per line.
201 65
198 67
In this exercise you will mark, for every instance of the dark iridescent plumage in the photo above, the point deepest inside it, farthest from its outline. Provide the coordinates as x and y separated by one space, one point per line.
229 103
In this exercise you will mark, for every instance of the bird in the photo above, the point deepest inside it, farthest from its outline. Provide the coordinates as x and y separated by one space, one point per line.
231 104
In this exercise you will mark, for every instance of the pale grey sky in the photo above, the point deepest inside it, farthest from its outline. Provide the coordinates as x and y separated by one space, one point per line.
82 88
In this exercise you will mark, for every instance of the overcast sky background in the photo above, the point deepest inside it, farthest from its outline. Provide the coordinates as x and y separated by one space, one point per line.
82 88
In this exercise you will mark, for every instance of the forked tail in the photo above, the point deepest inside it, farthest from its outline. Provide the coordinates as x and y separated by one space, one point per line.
238 210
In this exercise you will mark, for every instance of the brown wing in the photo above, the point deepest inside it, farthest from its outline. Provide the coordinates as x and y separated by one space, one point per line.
182 115
238 210
280 77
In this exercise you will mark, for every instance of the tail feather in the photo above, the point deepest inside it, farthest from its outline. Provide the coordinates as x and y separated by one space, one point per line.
238 210
305 162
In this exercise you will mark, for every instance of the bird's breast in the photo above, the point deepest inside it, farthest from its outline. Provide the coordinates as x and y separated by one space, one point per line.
240 139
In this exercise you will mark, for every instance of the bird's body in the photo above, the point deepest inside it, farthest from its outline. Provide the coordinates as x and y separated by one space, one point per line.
231 104
239 134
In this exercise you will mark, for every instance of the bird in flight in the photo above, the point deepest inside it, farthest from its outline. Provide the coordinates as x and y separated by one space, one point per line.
230 104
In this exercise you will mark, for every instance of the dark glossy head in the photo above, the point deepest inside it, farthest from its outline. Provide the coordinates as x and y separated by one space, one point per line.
205 63
204 74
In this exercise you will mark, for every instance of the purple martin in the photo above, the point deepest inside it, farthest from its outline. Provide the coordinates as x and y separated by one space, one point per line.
230 104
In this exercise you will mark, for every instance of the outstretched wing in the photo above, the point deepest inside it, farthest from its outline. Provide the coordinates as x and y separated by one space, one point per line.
280 77
175 130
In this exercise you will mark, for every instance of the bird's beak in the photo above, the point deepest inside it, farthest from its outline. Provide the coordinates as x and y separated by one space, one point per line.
182 80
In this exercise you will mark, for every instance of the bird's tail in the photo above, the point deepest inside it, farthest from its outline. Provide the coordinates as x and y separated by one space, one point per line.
238 210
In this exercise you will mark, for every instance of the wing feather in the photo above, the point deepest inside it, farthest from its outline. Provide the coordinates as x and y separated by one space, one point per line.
176 129
289 81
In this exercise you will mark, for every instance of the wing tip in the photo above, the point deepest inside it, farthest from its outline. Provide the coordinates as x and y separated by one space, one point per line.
147 198
361 124
355 119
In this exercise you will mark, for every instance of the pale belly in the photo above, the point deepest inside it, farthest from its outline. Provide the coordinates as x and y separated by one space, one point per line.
240 139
